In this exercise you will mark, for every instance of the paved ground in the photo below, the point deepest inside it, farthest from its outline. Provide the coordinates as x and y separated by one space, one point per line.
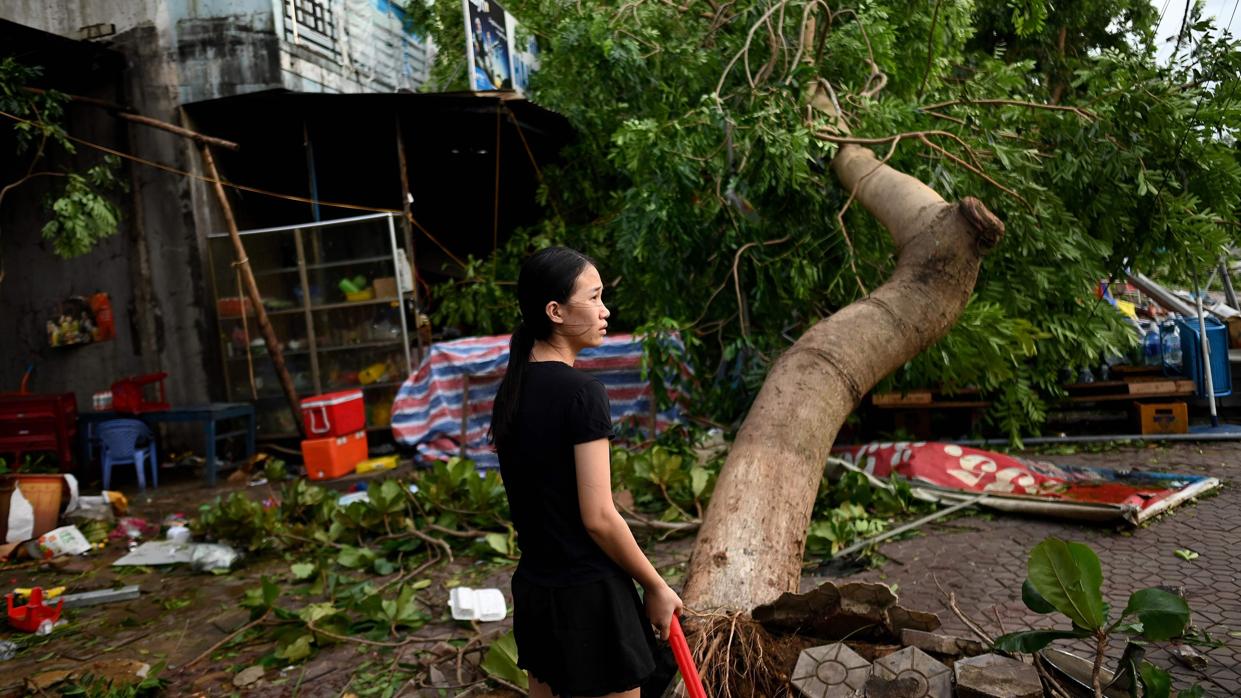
984 561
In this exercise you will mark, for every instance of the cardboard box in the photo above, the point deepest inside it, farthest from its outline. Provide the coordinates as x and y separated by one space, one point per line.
385 287
1163 417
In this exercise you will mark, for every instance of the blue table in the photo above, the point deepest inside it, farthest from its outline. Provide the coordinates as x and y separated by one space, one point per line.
210 415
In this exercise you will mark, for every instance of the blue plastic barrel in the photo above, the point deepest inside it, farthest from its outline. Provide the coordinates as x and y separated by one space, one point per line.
1191 355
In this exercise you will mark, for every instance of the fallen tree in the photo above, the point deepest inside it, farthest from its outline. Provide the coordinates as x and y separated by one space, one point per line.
722 149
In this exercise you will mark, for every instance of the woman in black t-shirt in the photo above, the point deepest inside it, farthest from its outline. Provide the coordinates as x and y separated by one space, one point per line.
577 617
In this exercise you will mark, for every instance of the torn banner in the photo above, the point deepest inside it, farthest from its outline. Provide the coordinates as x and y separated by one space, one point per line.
949 473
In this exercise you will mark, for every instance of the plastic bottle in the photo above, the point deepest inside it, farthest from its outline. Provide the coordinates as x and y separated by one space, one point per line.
1152 348
1170 341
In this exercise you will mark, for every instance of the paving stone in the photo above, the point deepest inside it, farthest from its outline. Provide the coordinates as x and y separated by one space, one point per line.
994 676
901 618
946 645
830 671
934 680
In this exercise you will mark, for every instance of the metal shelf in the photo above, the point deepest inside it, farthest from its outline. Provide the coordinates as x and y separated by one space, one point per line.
334 306
326 265
342 347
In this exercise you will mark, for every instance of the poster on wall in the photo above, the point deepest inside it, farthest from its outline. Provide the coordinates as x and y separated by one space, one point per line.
488 46
525 52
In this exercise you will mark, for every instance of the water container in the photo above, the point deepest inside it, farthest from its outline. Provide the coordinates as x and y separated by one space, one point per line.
1191 355
1151 349
1170 340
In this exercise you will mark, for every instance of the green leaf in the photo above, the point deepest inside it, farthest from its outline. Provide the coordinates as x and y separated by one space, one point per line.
1035 640
1068 576
498 543
1186 554
1033 600
271 592
354 558
501 661
699 477
1156 681
296 649
302 570
1163 615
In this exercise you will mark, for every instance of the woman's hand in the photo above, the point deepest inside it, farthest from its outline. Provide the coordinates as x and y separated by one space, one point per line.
661 604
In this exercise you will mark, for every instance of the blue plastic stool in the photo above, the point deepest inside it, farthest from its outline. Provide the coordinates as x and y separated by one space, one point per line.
119 438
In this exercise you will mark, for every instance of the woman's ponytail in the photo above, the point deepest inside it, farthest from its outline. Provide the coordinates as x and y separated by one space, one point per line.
504 410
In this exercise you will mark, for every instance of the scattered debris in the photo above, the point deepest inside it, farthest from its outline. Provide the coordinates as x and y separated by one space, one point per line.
996 676
156 552
66 540
8 650
116 673
857 610
209 557
945 645
34 614
247 676
1186 554
1187 656
830 671
477 604
94 598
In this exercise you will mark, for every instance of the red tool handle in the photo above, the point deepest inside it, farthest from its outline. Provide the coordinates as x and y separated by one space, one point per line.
685 661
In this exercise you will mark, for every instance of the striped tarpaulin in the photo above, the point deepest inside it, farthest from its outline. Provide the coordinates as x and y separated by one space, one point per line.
453 389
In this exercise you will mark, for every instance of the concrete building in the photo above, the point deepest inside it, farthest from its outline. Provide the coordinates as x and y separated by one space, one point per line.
317 92
169 53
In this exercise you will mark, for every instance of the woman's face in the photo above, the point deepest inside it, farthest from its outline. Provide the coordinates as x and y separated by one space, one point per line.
584 317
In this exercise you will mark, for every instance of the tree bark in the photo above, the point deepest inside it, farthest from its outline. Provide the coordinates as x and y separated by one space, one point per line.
750 547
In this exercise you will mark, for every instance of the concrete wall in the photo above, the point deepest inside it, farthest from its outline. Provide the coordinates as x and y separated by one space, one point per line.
177 51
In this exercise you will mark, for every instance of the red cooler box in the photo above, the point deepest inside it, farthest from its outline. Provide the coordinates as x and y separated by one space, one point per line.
334 456
333 414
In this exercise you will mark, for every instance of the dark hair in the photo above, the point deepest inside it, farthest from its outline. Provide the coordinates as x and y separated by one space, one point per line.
546 276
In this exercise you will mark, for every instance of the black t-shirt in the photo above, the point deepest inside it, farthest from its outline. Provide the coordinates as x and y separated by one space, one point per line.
559 407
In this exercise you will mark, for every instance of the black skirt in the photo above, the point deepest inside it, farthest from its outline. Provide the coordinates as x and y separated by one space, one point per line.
586 640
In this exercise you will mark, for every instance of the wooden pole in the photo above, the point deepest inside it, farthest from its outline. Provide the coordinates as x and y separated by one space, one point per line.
252 289
409 233
126 114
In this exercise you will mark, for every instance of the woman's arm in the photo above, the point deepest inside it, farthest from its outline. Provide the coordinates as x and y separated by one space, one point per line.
612 534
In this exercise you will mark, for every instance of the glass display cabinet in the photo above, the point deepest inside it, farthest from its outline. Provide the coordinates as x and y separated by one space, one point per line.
335 295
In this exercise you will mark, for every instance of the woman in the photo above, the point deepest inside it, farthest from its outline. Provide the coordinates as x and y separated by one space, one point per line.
577 617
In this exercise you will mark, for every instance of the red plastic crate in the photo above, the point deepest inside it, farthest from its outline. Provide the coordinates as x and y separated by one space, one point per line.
334 456
333 414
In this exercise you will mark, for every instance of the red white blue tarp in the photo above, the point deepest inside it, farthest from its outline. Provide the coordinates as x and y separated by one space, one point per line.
951 473
460 378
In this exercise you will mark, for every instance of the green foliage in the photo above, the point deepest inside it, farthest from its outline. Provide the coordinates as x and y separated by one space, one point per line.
1067 577
853 508
81 213
697 181
501 661
241 521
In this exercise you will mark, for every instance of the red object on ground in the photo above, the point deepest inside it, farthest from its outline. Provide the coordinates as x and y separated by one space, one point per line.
127 394
29 617
333 456
685 660
334 414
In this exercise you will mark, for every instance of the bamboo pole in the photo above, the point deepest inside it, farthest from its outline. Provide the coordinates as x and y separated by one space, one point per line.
125 113
252 288
408 230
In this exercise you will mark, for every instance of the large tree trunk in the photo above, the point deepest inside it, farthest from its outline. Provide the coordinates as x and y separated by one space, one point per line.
750 547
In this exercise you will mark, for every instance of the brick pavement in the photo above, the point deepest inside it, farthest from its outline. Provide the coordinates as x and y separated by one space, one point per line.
984 561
